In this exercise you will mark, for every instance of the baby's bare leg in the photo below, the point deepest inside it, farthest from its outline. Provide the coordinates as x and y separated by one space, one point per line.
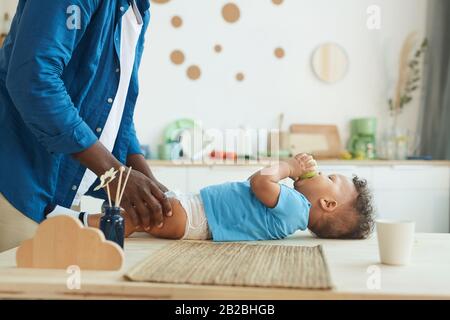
174 226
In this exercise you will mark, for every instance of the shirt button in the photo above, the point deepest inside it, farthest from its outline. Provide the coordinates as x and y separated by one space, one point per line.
98 130
122 9
117 70
110 100
74 188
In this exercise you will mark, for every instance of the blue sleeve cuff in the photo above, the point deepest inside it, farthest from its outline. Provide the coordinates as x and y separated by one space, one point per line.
134 147
76 140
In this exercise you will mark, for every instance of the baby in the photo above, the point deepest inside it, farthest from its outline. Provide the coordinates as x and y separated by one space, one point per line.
263 209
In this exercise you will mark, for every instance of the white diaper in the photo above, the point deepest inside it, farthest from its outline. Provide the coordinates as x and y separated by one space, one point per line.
196 224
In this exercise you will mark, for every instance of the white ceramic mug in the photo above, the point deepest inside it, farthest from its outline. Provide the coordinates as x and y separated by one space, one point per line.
395 241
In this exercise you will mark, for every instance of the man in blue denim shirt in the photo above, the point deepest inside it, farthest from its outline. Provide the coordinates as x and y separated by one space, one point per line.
68 88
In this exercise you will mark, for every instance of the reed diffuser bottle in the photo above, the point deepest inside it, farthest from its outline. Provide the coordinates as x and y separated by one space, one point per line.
112 224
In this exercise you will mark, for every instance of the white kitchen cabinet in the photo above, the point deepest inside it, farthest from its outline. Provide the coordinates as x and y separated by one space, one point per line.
418 193
407 192
427 207
411 177
200 177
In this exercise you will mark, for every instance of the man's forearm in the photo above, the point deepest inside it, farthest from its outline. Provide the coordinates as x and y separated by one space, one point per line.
97 158
138 162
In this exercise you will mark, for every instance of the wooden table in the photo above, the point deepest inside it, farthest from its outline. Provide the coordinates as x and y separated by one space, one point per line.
353 264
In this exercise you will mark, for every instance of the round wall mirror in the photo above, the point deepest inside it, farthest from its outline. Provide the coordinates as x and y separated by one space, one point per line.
330 62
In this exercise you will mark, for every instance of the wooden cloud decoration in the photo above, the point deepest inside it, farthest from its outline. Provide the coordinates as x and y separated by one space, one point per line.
63 241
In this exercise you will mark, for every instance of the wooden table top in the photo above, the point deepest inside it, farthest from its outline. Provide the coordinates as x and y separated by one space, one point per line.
353 264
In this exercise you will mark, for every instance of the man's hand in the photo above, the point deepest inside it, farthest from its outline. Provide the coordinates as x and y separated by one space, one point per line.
143 200
138 162
301 164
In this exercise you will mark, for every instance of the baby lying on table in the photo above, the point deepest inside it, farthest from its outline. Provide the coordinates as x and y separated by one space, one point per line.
263 209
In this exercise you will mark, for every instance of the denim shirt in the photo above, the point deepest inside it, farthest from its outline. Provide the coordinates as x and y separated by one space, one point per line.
59 73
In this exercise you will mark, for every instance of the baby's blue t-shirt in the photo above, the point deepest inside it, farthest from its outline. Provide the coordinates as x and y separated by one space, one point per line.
234 213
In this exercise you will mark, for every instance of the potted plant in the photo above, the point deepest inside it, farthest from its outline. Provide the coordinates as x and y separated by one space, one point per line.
408 82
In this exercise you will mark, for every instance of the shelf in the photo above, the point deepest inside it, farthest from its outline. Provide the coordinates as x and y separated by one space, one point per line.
265 162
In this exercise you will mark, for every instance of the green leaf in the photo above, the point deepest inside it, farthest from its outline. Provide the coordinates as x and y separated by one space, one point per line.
425 43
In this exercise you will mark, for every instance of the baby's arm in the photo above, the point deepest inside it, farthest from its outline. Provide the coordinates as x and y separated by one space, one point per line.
94 221
173 227
265 183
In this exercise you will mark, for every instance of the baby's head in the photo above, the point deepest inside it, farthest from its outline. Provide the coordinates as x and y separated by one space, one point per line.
341 207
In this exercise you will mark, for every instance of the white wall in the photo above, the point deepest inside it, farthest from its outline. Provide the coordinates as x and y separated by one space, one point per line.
271 86
8 6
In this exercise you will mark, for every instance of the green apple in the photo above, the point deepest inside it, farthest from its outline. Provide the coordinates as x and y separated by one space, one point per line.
308 175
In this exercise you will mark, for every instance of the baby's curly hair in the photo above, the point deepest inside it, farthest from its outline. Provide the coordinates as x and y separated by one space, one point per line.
364 209
359 223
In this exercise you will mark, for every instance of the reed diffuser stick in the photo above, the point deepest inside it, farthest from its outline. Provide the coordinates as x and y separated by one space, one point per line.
109 195
117 202
124 185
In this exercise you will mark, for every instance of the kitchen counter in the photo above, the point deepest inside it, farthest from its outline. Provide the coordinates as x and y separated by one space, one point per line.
353 264
330 162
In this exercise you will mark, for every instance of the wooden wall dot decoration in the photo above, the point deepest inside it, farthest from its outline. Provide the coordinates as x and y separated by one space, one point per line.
330 62
231 13
177 57
160 1
279 53
194 72
240 77
177 22
277 2
218 48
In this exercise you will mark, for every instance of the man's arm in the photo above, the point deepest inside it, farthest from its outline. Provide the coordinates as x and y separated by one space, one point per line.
136 159
97 158
142 198
43 47
138 162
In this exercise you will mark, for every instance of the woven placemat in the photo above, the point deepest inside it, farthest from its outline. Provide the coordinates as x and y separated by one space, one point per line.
235 264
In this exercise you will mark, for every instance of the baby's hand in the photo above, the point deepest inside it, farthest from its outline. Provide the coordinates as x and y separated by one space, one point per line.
301 164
